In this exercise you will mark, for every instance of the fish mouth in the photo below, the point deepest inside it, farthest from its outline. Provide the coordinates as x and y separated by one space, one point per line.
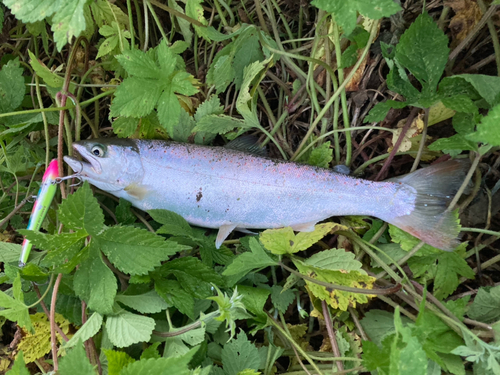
89 165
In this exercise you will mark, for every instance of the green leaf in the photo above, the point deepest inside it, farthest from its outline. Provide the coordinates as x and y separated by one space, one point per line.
254 300
88 330
460 103
125 328
219 124
488 131
172 292
381 110
321 156
423 50
9 252
488 87
135 251
169 109
95 283
335 260
161 366
248 52
173 223
239 354
257 258
375 358
147 303
12 87
282 298
485 307
245 102
19 367
455 142
123 213
195 277
49 77
124 127
410 359
151 351
139 64
81 211
346 11
14 309
117 361
75 362
285 241
68 22
447 268
211 106
378 324
136 97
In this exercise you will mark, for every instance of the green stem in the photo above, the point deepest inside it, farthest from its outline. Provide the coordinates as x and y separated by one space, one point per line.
343 97
292 341
479 230
379 158
155 16
337 93
131 24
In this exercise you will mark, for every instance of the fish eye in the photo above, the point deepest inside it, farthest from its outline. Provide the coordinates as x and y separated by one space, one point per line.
98 150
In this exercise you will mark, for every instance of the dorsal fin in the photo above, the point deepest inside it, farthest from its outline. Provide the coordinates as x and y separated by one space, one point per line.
247 143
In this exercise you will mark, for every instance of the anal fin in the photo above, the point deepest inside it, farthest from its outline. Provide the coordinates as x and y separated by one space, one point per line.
224 231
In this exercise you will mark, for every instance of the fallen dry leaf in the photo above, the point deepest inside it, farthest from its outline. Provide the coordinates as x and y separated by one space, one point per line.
467 15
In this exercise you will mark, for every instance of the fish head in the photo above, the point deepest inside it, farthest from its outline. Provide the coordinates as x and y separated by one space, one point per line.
109 164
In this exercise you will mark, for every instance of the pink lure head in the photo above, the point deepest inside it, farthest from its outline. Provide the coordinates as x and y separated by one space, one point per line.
52 171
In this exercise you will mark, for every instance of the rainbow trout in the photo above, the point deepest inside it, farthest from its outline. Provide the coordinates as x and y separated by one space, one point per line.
227 189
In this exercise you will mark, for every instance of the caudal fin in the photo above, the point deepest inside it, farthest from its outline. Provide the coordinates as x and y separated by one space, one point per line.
429 221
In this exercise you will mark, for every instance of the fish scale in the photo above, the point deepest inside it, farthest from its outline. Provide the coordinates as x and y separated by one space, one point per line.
218 187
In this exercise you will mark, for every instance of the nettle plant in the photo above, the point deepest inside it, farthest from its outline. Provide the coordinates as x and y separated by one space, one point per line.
112 290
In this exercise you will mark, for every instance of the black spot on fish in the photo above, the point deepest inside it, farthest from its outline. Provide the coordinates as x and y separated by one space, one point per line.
291 243
199 196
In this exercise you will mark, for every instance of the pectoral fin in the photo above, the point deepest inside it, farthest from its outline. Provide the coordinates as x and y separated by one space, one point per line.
224 231
137 191
304 227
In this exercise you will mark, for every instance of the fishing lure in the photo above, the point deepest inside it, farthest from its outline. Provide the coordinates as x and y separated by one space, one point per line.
40 208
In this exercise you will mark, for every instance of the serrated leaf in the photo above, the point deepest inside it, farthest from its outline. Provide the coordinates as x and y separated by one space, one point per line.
117 361
345 12
136 97
173 223
81 211
285 241
172 292
147 303
336 298
161 366
488 87
123 213
243 263
95 283
195 277
423 50
321 156
378 324
135 251
485 307
14 309
488 130
49 77
104 12
239 354
381 110
282 298
9 252
125 328
88 330
211 106
254 300
75 362
455 142
19 366
12 87
218 124
37 344
139 64
68 21
447 268
169 109
335 260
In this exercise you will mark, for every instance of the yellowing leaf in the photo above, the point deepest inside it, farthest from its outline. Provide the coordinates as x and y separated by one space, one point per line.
467 15
285 241
438 112
37 345
337 299
415 129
